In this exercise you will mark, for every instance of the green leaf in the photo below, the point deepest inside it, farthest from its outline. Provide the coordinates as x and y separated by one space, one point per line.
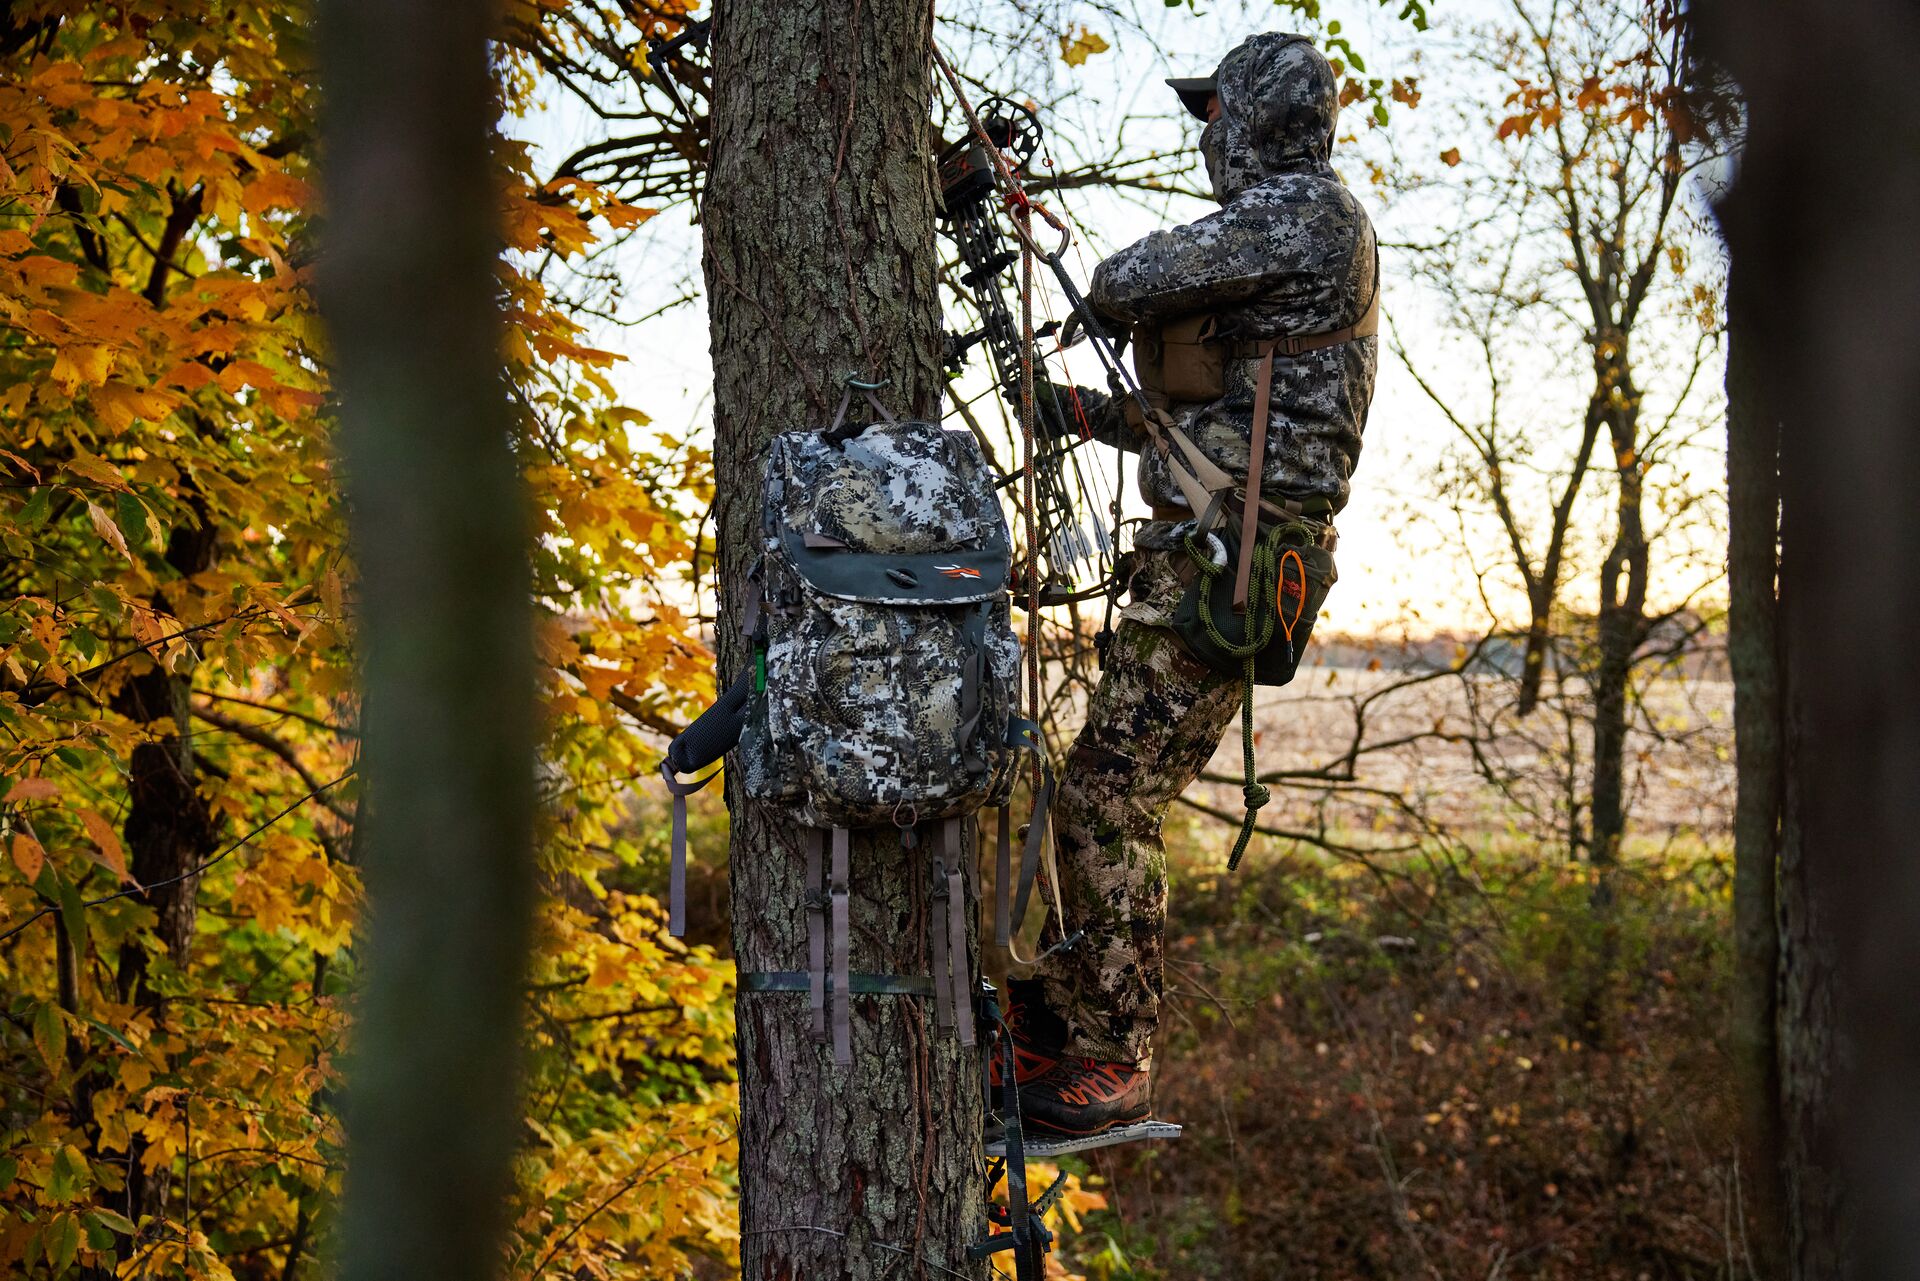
9 1167
112 1035
106 601
73 915
112 1219
133 517
50 1036
65 1242
68 1176
37 507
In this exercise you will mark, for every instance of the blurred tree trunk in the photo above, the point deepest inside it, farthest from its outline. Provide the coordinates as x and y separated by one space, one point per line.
820 264
408 287
1820 224
1753 652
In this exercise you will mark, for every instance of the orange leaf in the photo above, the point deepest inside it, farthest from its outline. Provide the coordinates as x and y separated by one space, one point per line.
101 833
28 856
620 217
33 789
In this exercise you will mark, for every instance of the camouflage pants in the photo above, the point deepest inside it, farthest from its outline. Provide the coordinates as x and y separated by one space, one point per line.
1153 723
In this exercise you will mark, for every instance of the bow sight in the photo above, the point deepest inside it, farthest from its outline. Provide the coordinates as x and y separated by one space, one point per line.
988 248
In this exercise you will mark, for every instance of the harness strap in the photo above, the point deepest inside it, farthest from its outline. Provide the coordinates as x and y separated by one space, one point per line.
1290 345
1036 837
842 1015
957 953
677 860
816 902
1366 327
1256 471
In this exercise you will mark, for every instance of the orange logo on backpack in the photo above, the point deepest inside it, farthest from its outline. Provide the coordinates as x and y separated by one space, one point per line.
957 571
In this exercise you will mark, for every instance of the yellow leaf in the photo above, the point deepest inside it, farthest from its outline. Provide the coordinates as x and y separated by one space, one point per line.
101 833
28 856
95 469
82 363
120 405
103 525
1077 47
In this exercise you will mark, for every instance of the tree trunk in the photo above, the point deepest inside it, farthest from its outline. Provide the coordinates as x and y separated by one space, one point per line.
1621 624
439 535
1834 340
820 265
1753 653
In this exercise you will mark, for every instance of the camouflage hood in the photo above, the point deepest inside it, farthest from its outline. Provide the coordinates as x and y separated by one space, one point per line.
1279 103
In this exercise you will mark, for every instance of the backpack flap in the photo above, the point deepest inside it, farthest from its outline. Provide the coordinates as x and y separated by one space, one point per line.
953 577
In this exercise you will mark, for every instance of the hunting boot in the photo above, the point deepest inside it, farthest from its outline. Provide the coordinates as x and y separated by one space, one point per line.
1079 1097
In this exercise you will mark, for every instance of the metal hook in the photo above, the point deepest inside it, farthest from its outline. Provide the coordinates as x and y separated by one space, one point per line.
854 382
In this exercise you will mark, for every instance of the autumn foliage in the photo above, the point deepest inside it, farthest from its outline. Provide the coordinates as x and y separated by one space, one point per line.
177 695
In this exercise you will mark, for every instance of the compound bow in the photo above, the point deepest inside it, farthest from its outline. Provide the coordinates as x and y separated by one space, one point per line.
1070 535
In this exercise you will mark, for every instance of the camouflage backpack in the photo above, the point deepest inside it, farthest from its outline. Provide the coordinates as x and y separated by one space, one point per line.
884 671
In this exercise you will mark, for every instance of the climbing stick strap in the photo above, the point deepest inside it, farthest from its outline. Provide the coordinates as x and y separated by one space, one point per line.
842 1016
938 939
960 1001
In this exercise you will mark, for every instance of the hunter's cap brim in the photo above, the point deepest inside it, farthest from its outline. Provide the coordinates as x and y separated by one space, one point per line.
1194 92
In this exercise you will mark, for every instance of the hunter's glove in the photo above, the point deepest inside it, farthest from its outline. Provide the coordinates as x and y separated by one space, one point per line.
1062 411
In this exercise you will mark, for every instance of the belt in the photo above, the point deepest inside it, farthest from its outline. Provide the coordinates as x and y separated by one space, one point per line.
1316 511
1327 539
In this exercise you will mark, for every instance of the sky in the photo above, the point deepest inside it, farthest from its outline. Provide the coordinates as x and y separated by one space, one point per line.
1402 564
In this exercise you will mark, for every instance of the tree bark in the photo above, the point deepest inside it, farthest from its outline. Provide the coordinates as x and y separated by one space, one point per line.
1823 217
820 265
439 535
1753 653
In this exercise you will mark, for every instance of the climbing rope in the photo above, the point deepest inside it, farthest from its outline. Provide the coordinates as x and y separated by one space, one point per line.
1266 610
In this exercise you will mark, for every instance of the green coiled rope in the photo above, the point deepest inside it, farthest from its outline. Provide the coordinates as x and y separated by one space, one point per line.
1262 617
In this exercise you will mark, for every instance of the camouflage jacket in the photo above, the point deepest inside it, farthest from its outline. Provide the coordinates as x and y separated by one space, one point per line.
1289 252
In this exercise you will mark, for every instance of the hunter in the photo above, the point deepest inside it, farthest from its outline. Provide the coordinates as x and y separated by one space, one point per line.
1289 256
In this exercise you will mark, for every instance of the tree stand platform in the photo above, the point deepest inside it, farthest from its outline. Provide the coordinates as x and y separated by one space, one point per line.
1044 1146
